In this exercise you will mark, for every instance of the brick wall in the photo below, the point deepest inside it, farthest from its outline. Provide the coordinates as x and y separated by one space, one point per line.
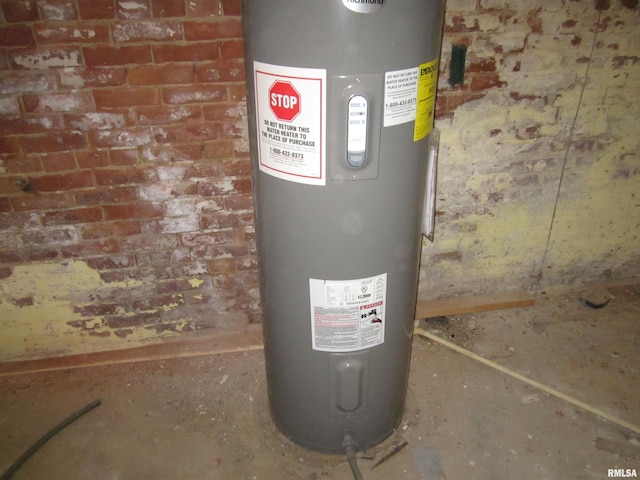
538 176
125 192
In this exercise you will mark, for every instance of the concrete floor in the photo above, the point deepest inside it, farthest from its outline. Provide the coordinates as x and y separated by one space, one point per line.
206 417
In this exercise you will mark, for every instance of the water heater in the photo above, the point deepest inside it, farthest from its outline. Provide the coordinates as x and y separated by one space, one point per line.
341 96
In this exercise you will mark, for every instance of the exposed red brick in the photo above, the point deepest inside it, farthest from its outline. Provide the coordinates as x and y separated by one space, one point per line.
31 201
160 302
90 247
163 115
204 8
132 211
75 215
132 9
97 120
195 52
222 28
16 36
481 65
167 8
53 142
133 137
232 49
534 21
78 32
110 262
220 72
96 9
120 176
23 11
197 93
92 159
224 187
29 164
106 195
186 133
35 124
93 309
45 58
106 56
57 9
459 25
224 112
239 202
624 60
232 7
154 31
485 81
61 182
162 244
5 272
49 235
123 228
9 147
40 254
230 130
237 93
172 153
129 97
92 77
222 265
161 75
79 101
122 157
220 148
9 186
178 285
160 258
236 168
58 162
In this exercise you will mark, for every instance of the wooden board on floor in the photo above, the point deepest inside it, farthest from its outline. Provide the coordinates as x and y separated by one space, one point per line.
245 340
472 304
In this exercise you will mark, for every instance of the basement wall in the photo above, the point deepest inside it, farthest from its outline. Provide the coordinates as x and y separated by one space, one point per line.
126 213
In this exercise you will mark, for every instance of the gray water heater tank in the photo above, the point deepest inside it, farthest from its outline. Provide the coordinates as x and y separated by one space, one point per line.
341 95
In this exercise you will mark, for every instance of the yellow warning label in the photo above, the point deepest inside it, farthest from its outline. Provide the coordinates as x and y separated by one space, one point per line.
427 86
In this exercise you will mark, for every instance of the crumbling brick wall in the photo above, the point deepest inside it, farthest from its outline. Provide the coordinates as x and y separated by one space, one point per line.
538 176
125 192
125 195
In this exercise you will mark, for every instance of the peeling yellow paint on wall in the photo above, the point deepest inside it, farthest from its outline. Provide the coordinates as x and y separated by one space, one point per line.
36 312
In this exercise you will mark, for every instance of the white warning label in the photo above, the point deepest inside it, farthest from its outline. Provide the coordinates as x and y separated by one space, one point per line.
290 119
348 315
400 96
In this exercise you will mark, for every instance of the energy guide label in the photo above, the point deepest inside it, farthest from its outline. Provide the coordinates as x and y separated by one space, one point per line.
347 315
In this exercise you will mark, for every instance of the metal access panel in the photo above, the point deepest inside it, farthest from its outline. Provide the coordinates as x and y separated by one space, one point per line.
341 95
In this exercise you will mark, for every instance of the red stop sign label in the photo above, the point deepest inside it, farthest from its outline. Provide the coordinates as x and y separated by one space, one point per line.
284 100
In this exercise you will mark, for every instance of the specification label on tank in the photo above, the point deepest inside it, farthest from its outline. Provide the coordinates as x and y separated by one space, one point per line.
409 96
347 315
290 117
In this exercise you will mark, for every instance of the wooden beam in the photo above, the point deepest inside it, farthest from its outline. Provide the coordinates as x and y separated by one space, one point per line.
472 304
197 345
